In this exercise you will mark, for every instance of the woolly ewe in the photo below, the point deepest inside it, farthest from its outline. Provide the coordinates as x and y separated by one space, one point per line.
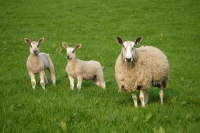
82 70
140 69
38 62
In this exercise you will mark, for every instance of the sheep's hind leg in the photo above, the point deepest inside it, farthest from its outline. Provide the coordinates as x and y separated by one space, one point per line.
161 94
146 97
134 96
142 97
53 77
97 82
33 82
45 78
42 74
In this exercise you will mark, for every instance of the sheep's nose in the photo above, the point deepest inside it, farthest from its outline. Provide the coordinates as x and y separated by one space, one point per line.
128 59
35 51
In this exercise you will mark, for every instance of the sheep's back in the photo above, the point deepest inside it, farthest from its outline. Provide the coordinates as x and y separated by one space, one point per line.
158 63
91 69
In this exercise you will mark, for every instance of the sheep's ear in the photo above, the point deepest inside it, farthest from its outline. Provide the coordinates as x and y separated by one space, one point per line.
40 41
119 40
64 45
27 41
138 40
77 47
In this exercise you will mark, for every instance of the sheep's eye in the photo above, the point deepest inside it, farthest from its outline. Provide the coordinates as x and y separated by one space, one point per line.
124 47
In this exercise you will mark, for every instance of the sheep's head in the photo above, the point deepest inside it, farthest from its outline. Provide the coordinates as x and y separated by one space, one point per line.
128 48
71 52
34 46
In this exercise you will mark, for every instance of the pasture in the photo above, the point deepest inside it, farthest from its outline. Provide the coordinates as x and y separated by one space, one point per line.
172 26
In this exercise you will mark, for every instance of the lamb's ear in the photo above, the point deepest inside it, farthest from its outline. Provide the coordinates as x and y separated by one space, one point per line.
40 41
64 45
119 40
138 40
77 47
26 40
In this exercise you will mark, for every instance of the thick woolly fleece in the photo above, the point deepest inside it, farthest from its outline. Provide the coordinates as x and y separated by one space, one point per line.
149 68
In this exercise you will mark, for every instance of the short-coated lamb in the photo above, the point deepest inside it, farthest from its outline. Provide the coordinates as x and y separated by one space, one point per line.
82 70
38 62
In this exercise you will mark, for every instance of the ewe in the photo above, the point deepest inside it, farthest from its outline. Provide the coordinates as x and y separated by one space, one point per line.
141 68
38 62
82 70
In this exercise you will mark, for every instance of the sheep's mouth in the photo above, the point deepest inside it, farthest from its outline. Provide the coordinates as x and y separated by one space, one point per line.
128 60
68 57
35 52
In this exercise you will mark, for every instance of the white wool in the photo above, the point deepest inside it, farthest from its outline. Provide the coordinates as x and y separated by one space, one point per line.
141 68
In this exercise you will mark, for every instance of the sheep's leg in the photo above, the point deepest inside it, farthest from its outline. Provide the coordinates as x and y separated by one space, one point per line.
103 84
71 79
53 77
146 97
45 78
80 79
161 95
33 82
142 97
99 82
134 96
42 79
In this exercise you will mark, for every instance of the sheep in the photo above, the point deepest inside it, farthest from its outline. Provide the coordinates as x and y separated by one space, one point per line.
140 69
38 62
82 70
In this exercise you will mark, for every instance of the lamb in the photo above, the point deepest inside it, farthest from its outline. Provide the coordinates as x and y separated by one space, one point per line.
82 70
38 62
140 69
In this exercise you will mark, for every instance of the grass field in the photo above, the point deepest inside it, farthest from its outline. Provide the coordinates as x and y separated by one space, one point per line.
172 26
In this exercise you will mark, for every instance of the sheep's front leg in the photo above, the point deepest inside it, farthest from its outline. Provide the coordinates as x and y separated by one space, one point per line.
134 96
71 79
142 97
33 82
42 75
80 79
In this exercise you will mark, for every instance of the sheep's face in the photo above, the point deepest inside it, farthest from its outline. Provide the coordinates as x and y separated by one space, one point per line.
128 48
34 46
70 52
128 51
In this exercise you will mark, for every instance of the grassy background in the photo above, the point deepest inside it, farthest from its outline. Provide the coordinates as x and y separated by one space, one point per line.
172 26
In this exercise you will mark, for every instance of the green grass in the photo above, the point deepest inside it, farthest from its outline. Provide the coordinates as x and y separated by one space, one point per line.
172 26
